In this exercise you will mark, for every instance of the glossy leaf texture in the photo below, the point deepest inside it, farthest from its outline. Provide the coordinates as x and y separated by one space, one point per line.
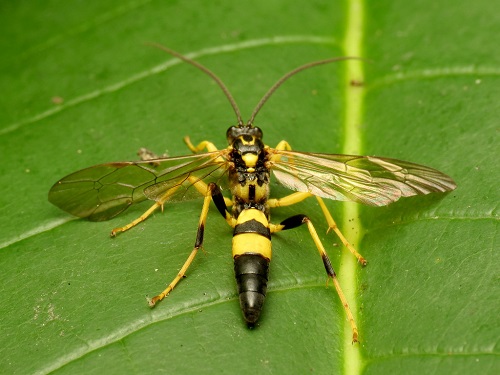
81 88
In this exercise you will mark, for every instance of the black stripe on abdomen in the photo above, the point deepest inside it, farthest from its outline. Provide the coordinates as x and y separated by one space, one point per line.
252 226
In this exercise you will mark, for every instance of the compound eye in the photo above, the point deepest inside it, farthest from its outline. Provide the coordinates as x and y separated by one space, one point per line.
237 146
257 132
232 133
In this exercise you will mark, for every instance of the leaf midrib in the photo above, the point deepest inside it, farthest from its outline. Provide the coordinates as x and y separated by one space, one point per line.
352 144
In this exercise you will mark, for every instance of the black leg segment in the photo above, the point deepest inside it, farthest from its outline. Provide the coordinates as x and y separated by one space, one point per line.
294 221
218 199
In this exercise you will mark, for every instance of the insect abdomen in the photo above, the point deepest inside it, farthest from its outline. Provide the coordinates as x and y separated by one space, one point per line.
252 254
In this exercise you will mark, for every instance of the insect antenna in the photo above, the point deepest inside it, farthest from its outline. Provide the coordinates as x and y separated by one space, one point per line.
290 74
207 71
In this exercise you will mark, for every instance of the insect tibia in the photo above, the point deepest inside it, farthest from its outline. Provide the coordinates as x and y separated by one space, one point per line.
328 266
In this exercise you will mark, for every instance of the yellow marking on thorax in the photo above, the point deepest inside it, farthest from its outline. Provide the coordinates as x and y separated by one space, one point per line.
261 192
250 160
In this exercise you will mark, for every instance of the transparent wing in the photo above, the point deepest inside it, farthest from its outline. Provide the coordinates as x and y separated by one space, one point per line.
103 191
369 180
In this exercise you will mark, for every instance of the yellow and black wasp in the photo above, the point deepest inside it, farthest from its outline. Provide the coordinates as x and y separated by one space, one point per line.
244 167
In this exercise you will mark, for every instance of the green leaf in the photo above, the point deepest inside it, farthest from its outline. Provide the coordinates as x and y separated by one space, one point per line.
80 88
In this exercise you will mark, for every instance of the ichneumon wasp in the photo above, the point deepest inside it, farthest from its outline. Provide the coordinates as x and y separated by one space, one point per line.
244 167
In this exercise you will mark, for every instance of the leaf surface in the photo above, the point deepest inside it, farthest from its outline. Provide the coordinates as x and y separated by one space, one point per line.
80 88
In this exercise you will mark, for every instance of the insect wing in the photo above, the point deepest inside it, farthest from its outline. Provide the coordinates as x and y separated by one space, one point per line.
364 179
179 185
103 191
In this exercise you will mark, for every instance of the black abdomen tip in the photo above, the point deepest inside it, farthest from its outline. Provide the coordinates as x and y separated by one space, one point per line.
251 271
251 305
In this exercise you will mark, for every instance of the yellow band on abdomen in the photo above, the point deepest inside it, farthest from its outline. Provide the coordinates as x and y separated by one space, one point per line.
252 234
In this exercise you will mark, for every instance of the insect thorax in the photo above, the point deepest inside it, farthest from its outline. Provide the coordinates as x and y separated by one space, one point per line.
249 176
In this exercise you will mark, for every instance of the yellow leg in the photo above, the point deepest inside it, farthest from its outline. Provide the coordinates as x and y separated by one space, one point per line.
288 200
203 187
198 184
327 263
201 146
198 244
146 214
282 146
302 219
332 225
300 196
216 195
209 146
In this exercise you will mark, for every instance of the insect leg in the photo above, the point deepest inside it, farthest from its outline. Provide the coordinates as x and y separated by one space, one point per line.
283 145
220 201
297 197
289 199
300 196
332 225
210 190
198 184
209 146
297 220
146 214
201 146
